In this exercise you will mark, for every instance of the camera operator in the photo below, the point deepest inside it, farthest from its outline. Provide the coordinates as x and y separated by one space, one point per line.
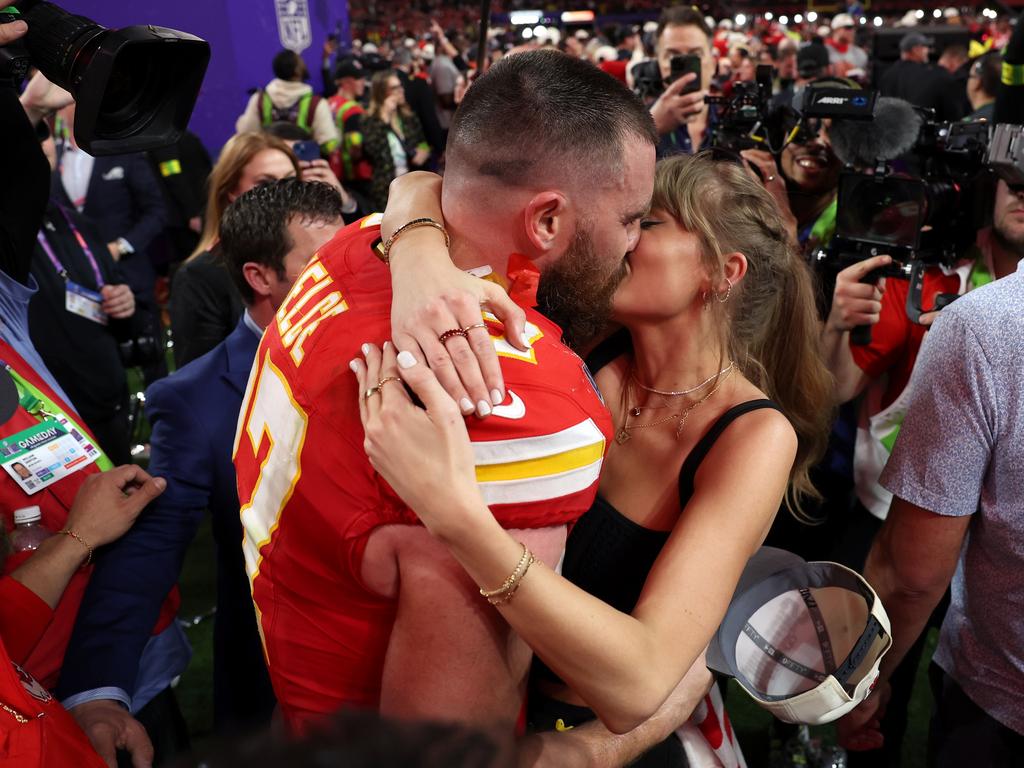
683 118
881 372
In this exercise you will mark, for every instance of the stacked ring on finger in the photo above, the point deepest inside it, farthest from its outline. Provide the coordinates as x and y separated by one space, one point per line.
375 390
451 334
469 328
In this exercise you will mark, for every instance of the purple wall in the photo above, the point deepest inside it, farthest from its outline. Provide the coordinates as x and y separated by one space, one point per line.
243 38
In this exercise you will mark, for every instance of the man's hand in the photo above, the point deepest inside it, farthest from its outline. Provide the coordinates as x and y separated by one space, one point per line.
108 503
420 157
768 173
675 108
115 251
860 729
12 31
111 727
42 98
118 301
855 303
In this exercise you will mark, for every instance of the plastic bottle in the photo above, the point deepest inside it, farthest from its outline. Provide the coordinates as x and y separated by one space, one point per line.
28 532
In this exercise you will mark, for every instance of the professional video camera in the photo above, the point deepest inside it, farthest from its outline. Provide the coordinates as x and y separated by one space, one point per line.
746 120
914 189
134 88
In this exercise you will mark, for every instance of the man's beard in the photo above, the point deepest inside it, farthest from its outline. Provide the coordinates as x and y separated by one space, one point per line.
1013 244
575 294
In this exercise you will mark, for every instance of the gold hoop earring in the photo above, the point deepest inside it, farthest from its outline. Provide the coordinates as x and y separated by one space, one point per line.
728 292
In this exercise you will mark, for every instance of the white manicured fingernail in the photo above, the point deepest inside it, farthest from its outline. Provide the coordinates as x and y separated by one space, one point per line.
483 408
526 339
466 405
496 397
354 366
366 349
386 345
406 360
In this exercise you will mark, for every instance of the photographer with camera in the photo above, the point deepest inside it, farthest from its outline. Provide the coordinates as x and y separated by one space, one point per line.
681 116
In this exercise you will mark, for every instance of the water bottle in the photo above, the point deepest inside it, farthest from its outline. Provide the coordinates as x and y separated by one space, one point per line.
28 532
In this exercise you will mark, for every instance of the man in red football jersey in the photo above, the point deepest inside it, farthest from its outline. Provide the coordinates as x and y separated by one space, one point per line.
550 168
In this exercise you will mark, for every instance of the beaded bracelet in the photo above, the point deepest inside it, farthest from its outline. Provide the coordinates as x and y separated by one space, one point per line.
385 251
80 540
505 592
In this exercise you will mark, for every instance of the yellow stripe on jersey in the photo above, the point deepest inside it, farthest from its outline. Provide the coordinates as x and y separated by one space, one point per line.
540 467
562 462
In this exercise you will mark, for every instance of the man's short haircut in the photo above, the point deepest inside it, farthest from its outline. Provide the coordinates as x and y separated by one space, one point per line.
254 227
989 68
285 65
287 131
542 112
682 16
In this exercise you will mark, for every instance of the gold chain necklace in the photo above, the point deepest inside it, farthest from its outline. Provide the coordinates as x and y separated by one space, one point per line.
623 435
691 390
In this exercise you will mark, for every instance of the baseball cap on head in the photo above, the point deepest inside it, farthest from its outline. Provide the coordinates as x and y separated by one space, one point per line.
804 640
811 60
912 40
843 20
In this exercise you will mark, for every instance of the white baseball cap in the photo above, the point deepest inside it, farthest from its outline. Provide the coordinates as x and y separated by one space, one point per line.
841 20
804 640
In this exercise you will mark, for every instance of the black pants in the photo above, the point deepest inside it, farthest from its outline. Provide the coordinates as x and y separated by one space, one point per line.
963 734
166 727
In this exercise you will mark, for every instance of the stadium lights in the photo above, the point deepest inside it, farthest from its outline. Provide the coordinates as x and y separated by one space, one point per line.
783 20
863 20
741 19
937 13
877 21
812 16
527 18
577 17
768 16
797 19
527 33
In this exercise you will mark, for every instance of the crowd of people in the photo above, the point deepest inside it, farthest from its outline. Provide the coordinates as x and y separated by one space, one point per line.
497 385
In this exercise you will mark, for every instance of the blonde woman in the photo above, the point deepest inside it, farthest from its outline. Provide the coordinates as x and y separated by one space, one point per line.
721 404
205 305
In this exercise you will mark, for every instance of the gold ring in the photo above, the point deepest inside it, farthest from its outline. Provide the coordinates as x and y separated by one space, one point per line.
469 328
371 392
385 380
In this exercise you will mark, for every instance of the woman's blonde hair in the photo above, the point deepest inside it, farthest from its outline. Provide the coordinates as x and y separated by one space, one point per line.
236 154
379 91
769 326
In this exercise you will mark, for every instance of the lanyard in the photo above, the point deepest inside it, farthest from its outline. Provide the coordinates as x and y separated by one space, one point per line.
39 405
81 244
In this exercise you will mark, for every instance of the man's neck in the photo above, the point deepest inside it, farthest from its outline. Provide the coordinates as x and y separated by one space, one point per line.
261 311
1005 256
807 208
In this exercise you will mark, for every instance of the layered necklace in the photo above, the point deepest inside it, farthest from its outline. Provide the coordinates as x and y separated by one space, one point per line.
680 416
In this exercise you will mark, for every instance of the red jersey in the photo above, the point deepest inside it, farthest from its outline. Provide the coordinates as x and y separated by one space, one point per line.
310 498
895 341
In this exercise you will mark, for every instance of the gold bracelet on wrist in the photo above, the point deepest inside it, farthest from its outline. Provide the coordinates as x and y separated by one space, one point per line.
507 590
385 251
80 540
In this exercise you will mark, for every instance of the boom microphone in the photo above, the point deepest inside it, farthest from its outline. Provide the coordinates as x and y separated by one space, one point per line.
1009 107
891 133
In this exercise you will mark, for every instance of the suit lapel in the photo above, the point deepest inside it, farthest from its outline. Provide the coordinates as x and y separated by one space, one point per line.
241 348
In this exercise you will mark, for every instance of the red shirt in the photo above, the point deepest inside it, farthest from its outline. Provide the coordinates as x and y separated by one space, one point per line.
895 341
310 498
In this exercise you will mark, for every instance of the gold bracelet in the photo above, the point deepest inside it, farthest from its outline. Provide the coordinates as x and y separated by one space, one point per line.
385 251
511 580
80 540
507 597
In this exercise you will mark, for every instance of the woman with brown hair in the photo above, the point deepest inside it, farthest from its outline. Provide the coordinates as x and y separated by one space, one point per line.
393 138
205 305
721 404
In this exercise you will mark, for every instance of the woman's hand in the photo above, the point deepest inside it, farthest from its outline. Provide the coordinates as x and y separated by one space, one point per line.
425 455
431 296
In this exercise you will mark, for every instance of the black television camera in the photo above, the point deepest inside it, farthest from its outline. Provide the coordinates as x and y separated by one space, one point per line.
134 88
914 189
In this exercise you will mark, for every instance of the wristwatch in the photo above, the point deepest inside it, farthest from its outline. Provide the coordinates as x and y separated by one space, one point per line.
124 248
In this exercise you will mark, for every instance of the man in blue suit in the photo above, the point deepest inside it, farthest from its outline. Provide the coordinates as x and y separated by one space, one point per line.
267 235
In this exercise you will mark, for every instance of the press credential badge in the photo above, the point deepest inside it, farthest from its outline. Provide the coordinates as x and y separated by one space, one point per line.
43 454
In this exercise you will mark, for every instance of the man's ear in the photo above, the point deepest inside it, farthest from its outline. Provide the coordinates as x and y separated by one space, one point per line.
258 277
547 221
